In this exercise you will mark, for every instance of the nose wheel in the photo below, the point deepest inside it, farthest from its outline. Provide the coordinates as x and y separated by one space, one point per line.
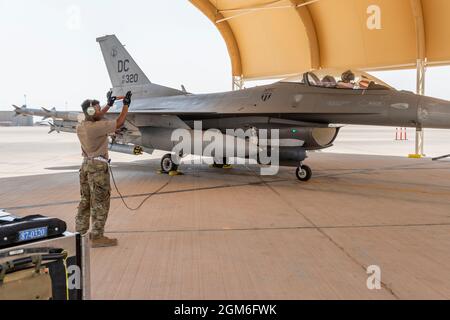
167 164
303 173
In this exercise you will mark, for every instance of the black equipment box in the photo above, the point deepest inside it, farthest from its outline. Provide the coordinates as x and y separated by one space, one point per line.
15 230
39 259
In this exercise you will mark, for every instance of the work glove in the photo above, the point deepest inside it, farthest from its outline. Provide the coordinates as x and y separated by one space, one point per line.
111 99
127 99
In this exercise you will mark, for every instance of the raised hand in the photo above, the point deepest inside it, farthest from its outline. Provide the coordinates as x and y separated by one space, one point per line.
127 99
111 99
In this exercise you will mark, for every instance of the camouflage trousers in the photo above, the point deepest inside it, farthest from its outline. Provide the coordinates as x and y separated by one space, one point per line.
95 192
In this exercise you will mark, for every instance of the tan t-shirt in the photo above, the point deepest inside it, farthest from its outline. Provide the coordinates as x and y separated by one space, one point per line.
93 137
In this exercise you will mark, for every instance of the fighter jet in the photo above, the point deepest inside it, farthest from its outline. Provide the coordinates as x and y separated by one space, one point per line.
307 110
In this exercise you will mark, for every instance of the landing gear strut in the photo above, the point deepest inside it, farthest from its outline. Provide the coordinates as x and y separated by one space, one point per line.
303 173
167 164
223 165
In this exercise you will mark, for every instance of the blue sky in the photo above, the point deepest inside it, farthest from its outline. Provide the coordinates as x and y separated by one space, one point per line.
50 54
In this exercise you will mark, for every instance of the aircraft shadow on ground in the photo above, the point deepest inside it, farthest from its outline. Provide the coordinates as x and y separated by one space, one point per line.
153 165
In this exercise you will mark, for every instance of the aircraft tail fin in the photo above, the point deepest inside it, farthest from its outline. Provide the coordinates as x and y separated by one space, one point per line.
124 72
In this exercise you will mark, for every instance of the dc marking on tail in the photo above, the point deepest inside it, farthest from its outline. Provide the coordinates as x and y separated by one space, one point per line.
122 66
125 74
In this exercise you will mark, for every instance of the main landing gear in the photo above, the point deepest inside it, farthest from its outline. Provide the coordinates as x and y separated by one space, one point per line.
223 165
168 166
303 173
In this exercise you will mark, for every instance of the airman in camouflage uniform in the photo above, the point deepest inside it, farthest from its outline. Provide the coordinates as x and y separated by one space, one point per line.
95 187
95 191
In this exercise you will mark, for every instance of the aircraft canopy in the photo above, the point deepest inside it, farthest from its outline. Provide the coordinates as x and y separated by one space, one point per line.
340 79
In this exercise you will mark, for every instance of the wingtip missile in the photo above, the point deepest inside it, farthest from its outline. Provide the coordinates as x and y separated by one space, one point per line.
46 113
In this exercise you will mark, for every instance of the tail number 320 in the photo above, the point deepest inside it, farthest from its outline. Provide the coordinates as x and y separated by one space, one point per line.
130 78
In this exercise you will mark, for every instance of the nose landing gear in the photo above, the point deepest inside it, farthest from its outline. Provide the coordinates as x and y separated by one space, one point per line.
303 173
168 166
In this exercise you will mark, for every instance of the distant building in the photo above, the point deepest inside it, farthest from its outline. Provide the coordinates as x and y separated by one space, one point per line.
7 119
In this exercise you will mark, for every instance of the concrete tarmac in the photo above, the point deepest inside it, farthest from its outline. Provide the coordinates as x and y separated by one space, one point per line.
232 234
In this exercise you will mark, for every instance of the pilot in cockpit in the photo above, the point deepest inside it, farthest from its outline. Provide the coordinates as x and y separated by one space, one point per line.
329 82
347 80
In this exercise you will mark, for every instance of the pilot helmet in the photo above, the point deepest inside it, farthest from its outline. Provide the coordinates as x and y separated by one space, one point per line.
348 76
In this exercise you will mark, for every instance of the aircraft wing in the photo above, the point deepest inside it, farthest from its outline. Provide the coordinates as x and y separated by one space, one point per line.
67 121
46 113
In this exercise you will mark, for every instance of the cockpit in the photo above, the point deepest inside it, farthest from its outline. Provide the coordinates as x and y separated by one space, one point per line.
340 79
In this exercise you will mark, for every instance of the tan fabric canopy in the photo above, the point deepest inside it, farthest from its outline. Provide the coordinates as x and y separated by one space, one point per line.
268 39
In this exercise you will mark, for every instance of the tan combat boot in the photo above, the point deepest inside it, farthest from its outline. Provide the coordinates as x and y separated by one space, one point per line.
102 242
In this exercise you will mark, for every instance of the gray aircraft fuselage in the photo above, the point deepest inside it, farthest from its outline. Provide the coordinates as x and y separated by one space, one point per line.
302 103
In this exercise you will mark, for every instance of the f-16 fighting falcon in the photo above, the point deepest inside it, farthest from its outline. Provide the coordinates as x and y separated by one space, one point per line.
306 110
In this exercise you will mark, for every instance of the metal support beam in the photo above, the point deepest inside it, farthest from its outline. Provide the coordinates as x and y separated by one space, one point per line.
417 11
225 30
239 12
419 142
311 32
421 72
238 83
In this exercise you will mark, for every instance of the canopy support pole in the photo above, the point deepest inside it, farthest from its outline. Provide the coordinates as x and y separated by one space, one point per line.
417 10
421 71
238 83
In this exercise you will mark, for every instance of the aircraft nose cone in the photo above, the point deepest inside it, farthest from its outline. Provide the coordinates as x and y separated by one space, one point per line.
434 113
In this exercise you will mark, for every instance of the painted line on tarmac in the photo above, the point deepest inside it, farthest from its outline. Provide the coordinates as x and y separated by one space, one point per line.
375 226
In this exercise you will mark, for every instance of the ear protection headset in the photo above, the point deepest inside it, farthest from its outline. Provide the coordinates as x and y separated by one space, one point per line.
91 110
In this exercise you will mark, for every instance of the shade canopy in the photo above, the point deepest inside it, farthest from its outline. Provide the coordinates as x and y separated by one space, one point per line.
269 39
